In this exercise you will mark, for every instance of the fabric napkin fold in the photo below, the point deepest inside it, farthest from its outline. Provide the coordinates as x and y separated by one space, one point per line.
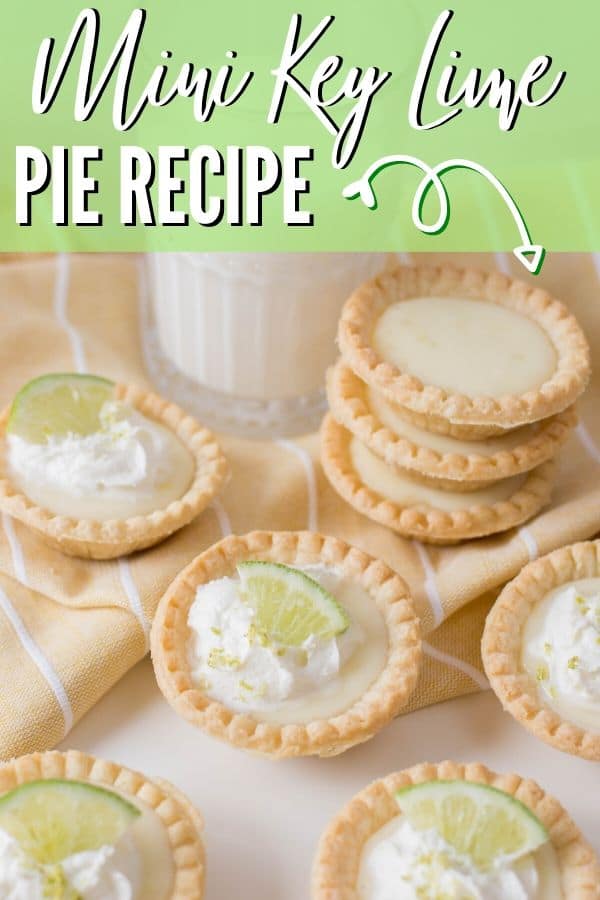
69 628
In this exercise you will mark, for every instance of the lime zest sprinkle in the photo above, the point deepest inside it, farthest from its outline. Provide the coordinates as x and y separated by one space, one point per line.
548 648
541 673
216 631
573 663
218 659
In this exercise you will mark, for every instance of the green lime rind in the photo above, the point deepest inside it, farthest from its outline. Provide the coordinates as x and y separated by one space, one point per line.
57 405
478 820
289 605
55 818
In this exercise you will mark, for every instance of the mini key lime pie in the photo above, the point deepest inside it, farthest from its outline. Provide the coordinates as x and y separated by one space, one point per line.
287 644
441 460
464 352
100 469
452 830
76 828
541 648
415 509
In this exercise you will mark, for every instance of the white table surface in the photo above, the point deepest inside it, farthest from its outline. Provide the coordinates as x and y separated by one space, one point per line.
263 818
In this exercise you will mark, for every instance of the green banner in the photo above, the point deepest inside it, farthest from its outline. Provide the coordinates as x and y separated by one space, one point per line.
327 125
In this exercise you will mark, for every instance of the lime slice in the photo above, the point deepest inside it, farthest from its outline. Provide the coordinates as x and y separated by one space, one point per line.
289 605
53 819
479 821
58 405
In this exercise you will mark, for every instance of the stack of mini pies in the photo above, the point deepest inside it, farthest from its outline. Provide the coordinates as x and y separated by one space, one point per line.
454 391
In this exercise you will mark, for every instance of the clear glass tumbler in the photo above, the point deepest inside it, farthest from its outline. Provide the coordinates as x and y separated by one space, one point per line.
243 340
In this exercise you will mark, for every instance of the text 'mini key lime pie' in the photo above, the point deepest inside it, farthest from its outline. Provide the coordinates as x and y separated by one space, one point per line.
287 644
541 648
435 832
73 827
100 469
464 352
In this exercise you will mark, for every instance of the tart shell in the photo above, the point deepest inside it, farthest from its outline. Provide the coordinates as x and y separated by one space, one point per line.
327 737
182 822
434 526
94 539
336 867
501 646
349 404
469 416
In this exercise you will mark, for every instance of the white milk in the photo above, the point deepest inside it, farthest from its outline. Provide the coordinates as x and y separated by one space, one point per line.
255 330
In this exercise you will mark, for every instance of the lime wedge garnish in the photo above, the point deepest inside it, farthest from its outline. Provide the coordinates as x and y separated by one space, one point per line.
290 606
479 821
53 819
58 405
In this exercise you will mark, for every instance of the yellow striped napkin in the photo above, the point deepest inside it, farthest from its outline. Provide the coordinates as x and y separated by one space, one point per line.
69 629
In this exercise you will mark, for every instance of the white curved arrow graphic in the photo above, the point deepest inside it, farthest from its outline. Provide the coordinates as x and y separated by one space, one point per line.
529 254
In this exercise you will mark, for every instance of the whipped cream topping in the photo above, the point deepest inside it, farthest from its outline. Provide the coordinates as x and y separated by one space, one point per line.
232 664
561 651
108 873
131 466
400 863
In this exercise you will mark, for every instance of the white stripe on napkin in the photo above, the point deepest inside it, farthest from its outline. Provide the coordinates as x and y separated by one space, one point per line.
530 543
588 442
222 517
456 663
311 481
61 297
16 551
430 584
39 660
133 596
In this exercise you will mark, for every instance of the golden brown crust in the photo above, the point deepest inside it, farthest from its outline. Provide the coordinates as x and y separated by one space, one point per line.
182 822
502 641
362 720
431 525
118 537
349 403
336 867
485 414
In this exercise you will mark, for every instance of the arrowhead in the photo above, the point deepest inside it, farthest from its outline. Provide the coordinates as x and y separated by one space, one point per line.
363 190
531 256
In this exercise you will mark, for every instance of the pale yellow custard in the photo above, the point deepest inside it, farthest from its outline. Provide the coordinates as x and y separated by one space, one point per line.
138 865
400 863
156 869
468 347
285 684
561 651
357 673
130 467
388 415
406 492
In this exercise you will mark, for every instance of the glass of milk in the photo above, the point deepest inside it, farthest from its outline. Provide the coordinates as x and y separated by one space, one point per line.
243 340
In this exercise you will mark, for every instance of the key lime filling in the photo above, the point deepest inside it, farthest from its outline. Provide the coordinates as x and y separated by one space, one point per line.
304 644
401 863
463 840
468 347
561 651
66 840
389 416
404 491
127 466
